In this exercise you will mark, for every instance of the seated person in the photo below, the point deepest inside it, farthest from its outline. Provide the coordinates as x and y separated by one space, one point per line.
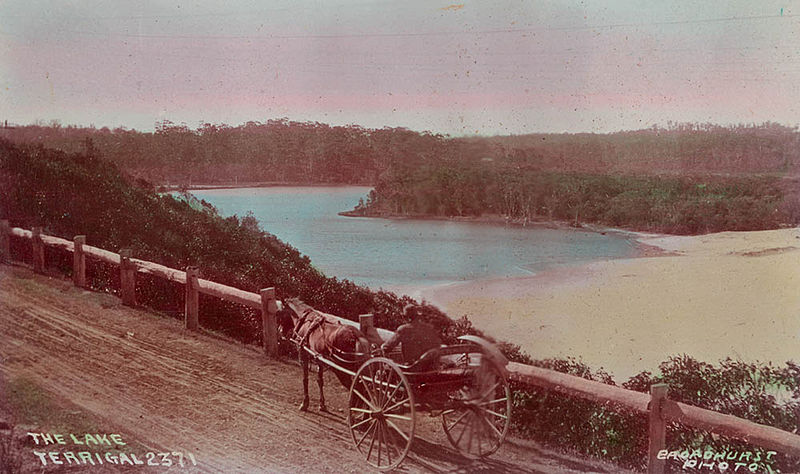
416 337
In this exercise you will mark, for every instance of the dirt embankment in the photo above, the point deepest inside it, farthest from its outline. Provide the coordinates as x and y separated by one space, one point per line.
166 389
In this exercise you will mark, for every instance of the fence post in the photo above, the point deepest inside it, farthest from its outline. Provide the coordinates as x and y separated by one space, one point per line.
192 308
5 241
127 278
366 321
657 429
38 250
79 261
367 326
269 309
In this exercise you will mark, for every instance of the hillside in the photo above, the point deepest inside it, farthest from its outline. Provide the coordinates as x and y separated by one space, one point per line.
685 179
71 194
311 152
679 149
664 204
275 151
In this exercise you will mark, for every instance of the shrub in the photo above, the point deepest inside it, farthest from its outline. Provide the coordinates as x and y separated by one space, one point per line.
758 392
70 194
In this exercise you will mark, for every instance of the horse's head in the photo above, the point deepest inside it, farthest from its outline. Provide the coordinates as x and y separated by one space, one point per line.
286 319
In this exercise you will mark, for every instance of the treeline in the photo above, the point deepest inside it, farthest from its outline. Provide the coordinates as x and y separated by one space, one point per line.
275 151
310 152
695 149
668 204
70 194
686 178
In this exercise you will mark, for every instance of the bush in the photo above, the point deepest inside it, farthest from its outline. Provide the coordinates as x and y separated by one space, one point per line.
761 393
71 194
606 431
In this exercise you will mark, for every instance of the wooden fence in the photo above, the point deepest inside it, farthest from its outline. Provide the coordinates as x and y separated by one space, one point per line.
656 405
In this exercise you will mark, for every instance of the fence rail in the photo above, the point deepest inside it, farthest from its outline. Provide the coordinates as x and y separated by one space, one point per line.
659 408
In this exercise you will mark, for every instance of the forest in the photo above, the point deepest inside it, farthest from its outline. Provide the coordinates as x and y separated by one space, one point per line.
681 179
277 151
666 204
284 151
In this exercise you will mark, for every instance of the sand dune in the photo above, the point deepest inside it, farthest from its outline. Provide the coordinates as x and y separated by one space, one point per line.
732 294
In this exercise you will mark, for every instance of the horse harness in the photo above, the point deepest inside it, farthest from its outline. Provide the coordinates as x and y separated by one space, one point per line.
336 353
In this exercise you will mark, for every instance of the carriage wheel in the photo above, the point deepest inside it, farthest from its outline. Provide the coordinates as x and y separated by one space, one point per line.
480 412
381 416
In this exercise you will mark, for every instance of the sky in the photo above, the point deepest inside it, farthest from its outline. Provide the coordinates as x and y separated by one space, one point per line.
471 68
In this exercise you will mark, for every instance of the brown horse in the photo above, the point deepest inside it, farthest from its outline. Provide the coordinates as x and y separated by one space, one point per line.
345 345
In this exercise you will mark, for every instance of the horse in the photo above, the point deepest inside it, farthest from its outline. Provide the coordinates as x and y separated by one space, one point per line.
341 343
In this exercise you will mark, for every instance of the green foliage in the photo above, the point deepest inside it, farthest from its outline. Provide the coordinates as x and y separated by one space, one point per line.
684 149
606 431
761 393
279 151
686 179
676 205
310 152
80 194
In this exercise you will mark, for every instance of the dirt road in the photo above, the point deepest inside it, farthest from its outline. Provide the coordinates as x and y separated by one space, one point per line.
144 376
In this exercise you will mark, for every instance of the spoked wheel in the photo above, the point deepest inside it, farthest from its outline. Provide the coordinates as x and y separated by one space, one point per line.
381 417
477 420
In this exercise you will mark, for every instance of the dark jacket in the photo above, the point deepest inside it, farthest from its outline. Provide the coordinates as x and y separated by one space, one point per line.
415 338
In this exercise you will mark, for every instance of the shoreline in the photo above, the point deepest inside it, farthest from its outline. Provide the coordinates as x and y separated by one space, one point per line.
710 296
637 237
482 219
539 223
495 219
260 184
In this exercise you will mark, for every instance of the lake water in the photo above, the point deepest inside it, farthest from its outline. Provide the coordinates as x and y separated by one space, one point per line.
406 254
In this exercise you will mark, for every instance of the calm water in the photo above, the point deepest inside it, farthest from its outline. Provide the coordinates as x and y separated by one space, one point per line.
406 254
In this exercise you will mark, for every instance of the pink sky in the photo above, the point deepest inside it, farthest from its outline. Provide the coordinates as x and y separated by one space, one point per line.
486 67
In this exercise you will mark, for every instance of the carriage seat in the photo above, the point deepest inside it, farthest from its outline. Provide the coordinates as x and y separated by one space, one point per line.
442 360
426 362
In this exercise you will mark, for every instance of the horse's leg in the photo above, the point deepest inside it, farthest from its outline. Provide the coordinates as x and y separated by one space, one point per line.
304 363
322 406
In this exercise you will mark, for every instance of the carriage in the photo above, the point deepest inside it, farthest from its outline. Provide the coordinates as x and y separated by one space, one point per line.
463 384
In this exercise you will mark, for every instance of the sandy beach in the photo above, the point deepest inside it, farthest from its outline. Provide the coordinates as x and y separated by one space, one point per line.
731 294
